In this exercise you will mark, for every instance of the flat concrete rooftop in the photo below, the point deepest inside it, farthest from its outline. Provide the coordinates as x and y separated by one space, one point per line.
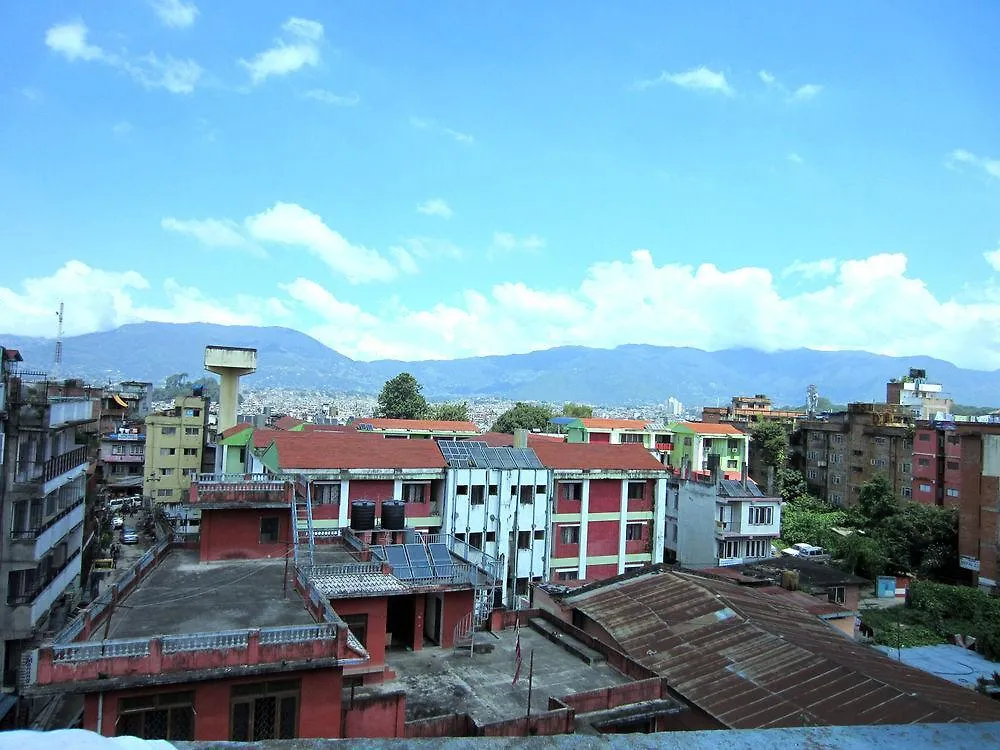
334 553
444 681
182 596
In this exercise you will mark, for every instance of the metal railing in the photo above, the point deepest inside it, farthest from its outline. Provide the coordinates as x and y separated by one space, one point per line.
64 509
61 464
342 569
209 641
41 586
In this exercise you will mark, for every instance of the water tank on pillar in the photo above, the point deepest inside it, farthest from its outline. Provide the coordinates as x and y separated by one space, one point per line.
362 515
394 515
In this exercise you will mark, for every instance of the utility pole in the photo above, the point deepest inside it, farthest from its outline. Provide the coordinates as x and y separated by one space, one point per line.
531 675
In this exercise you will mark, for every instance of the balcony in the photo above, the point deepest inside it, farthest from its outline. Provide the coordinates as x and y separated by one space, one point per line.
728 528
64 411
249 490
43 536
30 608
58 465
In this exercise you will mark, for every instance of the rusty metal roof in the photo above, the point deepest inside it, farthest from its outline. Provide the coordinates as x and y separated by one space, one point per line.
754 659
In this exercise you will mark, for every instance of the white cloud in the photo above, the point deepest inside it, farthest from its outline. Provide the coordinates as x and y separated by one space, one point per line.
811 269
767 78
70 41
507 241
122 128
960 157
99 300
794 158
291 224
993 258
328 97
210 232
436 207
431 247
297 47
174 75
404 259
806 92
421 123
32 94
176 14
701 78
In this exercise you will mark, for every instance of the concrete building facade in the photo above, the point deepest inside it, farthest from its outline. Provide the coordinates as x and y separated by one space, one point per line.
175 444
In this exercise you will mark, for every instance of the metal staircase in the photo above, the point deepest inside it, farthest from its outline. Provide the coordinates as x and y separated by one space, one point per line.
482 607
303 537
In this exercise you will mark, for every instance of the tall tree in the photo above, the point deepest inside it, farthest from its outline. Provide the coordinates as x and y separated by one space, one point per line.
770 435
581 411
523 416
454 412
876 501
401 398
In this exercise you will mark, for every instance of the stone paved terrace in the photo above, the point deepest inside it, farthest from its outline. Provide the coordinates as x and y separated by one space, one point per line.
183 596
443 681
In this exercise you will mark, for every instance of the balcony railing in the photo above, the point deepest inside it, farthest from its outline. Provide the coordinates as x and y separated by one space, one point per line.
240 488
65 509
58 465
69 410
41 586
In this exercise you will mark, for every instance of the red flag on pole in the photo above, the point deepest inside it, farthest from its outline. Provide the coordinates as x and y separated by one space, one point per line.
517 650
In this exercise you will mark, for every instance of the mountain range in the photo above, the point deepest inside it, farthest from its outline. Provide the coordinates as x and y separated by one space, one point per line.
628 374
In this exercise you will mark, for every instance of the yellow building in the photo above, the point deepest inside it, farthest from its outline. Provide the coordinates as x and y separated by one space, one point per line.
175 443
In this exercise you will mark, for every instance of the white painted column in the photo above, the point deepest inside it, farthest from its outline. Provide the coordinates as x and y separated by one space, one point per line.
397 489
581 570
345 500
622 523
659 519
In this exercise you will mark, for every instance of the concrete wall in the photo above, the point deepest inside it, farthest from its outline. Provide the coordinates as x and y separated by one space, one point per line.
234 534
457 604
377 610
319 704
375 716
696 545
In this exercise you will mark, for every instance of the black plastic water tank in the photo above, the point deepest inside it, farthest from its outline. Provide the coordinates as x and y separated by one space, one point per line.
362 515
394 515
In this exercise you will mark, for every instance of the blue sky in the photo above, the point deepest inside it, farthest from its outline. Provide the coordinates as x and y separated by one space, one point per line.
448 178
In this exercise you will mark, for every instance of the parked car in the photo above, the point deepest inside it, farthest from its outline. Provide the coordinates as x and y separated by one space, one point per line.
807 552
117 522
130 536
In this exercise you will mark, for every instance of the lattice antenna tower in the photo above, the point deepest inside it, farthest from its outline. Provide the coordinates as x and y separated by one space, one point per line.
812 400
57 365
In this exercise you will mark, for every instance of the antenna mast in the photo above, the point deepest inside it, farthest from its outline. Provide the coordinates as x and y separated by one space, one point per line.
59 342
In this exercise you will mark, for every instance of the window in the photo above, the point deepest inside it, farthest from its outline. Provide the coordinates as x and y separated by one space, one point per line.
527 494
166 472
566 575
493 489
164 493
188 472
734 445
636 490
571 490
476 539
269 530
462 489
524 540
954 465
192 412
326 493
838 438
265 711
923 437
837 458
632 437
673 532
838 595
858 453
540 534
761 515
906 468
954 439
951 492
732 464
836 478
166 716
836 497
811 455
168 430
190 451
478 495
925 488
491 536
634 532
907 492
569 534
358 624
923 462
811 474
117 450
192 430
20 585
729 549
540 489
687 442
879 440
758 548
416 492
167 451
136 450
880 462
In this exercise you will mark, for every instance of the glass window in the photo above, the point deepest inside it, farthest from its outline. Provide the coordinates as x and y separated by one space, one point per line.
636 490
571 490
569 534
264 711
326 493
269 530
634 531
166 716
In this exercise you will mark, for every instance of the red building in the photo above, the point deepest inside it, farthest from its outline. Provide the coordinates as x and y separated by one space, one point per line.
957 464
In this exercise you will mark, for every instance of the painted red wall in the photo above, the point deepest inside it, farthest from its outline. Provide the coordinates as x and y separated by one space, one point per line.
457 604
560 549
376 608
326 511
602 538
646 503
364 489
598 572
599 437
319 704
376 716
605 496
563 505
235 534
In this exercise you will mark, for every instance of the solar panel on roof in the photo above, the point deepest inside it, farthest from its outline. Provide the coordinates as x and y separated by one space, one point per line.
419 564
441 559
378 551
399 561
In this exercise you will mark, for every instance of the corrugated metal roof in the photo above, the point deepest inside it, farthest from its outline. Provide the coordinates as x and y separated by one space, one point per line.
735 488
753 659
474 454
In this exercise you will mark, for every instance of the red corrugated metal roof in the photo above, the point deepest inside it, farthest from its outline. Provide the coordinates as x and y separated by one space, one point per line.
502 439
236 429
755 659
600 423
422 425
627 457
711 428
338 450
287 423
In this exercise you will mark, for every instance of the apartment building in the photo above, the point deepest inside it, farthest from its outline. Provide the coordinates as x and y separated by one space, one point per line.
956 463
175 445
840 452
712 521
694 443
418 429
747 411
616 432
43 476
926 400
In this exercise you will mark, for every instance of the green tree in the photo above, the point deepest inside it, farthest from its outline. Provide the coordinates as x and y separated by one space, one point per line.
178 385
454 412
579 411
876 502
401 398
523 416
791 485
770 435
